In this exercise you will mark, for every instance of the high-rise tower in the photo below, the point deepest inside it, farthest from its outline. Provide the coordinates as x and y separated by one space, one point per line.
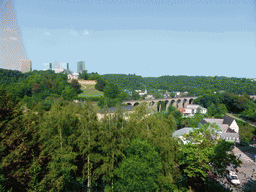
80 66
12 52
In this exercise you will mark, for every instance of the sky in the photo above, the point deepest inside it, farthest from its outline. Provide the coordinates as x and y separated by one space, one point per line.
148 38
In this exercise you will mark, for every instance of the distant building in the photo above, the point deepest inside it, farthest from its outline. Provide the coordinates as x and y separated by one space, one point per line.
229 129
80 66
191 109
73 76
166 95
141 93
26 65
182 111
228 126
149 97
48 66
59 70
177 94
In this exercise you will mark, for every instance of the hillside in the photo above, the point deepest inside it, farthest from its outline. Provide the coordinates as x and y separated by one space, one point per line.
195 85
88 88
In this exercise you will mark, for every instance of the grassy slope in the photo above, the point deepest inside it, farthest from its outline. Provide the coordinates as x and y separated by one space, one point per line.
89 90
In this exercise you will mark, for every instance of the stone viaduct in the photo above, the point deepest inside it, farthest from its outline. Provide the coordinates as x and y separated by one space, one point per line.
180 102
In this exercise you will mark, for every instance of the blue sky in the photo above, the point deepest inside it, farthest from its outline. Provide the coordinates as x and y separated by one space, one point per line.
150 38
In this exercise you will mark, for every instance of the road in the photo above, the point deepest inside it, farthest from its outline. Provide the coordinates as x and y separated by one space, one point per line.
245 173
248 121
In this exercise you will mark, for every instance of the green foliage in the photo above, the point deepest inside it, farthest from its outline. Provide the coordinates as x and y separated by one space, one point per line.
93 76
217 111
74 83
84 75
108 102
200 85
135 96
36 86
8 77
138 171
18 144
101 84
176 114
130 81
157 129
68 93
246 131
111 91
205 152
89 97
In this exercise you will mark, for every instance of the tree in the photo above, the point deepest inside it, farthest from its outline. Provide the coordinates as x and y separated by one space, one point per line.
205 152
111 91
76 85
139 169
176 114
101 84
19 142
135 95
54 169
68 93
84 75
218 110
157 129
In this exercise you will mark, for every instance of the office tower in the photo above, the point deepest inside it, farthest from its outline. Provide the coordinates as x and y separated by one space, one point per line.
80 66
25 65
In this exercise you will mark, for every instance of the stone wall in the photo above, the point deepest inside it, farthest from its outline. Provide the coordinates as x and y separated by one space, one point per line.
87 82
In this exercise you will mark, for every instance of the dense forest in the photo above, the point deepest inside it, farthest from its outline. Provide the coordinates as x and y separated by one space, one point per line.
38 86
69 149
194 85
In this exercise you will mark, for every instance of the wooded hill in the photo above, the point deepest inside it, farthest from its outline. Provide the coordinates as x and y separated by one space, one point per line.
195 85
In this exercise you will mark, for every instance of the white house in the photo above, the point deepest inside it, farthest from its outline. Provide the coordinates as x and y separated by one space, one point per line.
177 94
141 93
149 97
166 94
229 128
73 76
191 109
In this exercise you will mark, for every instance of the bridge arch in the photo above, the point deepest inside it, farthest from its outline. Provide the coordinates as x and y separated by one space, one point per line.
159 105
135 104
178 103
191 101
166 104
184 103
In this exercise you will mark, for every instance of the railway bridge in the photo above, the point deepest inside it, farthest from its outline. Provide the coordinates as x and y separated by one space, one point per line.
180 102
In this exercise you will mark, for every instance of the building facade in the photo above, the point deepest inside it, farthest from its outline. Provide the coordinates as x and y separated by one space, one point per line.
191 109
229 129
26 65
80 66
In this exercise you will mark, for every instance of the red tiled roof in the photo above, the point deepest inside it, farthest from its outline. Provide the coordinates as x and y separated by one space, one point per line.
182 110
